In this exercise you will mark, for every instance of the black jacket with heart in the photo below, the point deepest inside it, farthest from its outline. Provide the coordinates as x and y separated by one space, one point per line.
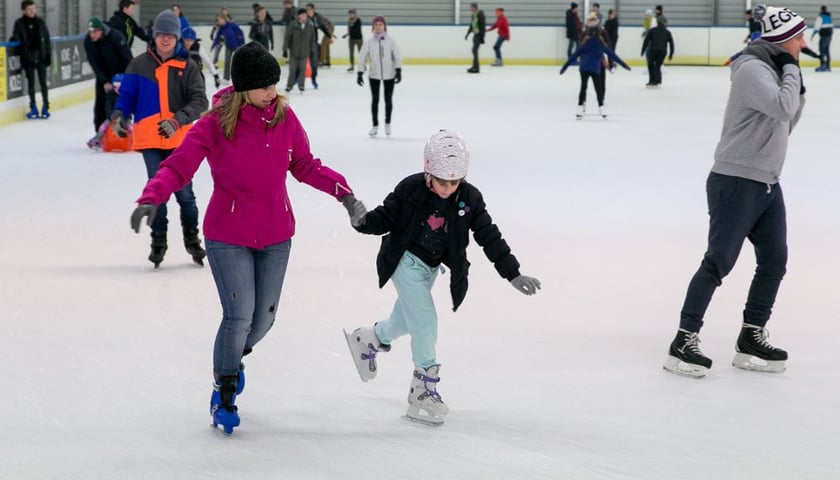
402 214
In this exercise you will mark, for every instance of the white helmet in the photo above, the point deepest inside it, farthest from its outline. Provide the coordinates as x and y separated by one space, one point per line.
446 156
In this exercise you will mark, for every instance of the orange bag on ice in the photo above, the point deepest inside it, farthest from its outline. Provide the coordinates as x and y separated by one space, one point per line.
111 142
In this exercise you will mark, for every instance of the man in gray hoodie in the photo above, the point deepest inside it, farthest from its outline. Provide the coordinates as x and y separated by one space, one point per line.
744 195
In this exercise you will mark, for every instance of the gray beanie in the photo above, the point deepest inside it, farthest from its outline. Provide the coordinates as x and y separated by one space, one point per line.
167 22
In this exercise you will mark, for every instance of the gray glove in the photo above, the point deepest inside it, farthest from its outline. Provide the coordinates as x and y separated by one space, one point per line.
526 285
118 124
143 210
355 208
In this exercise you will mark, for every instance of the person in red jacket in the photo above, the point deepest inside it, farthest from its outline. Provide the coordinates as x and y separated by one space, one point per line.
504 34
252 141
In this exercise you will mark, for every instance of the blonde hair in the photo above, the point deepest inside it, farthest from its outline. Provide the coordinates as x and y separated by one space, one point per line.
228 110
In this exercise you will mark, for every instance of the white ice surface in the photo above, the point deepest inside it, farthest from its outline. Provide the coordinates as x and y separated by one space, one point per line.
106 364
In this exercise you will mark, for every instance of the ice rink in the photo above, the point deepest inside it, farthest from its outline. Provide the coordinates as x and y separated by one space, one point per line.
107 362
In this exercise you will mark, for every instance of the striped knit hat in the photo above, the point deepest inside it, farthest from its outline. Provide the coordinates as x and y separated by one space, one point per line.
778 25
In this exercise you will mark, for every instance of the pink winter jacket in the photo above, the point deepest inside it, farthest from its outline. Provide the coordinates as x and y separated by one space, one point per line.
249 205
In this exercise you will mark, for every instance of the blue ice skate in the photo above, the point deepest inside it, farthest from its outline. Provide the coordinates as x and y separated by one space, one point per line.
222 403
33 112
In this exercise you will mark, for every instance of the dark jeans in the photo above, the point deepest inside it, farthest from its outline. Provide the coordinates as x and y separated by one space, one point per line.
655 59
374 99
598 79
477 41
740 209
573 44
497 47
297 73
30 69
103 105
249 283
825 50
354 43
185 196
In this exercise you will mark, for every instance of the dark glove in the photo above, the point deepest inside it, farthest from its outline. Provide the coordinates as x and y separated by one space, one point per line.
670 57
285 54
143 210
217 80
118 124
801 84
398 78
467 36
355 208
627 67
345 35
563 70
526 285
168 127
359 79
783 58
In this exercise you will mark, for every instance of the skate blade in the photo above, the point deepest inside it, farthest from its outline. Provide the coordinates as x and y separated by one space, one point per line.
427 421
350 339
750 362
678 367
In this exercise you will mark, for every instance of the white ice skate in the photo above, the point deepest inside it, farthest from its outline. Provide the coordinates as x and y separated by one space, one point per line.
424 403
580 111
363 345
388 129
602 111
373 131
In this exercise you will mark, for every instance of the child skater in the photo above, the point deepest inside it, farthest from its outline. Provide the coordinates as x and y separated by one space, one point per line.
427 219
591 51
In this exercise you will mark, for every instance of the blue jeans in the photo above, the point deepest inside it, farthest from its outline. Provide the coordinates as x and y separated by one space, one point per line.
249 282
185 196
740 209
825 50
497 47
414 311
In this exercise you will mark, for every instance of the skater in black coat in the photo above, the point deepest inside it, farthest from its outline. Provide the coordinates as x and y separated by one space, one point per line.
108 54
35 55
658 44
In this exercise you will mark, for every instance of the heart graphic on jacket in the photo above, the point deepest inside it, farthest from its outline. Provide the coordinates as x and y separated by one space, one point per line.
435 222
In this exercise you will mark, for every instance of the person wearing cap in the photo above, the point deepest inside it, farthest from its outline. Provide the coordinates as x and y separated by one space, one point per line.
657 45
504 35
298 45
123 21
231 36
197 53
426 222
574 28
745 200
354 31
322 49
383 53
35 52
108 55
477 28
164 91
253 141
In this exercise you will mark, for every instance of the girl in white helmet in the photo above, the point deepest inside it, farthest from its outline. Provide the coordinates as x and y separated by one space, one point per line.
427 219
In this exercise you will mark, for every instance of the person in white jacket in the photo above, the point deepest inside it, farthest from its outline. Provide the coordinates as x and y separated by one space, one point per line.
383 53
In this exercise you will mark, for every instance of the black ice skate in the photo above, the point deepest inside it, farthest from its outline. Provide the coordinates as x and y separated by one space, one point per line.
158 250
685 357
193 245
755 353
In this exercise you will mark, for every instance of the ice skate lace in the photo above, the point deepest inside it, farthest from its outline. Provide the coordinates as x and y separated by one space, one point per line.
431 392
760 335
370 356
692 343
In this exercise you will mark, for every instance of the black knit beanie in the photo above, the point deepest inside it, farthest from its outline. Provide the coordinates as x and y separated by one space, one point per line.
253 67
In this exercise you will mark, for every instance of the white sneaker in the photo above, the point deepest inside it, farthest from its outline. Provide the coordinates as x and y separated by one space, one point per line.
602 111
373 131
363 345
580 111
388 129
424 403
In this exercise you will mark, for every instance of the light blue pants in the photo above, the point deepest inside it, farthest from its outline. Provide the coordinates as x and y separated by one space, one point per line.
414 311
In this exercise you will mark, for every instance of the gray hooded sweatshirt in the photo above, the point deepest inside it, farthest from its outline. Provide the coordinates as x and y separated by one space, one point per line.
763 107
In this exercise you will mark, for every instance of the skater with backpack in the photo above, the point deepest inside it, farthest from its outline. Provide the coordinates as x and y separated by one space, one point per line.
426 221
744 195
252 140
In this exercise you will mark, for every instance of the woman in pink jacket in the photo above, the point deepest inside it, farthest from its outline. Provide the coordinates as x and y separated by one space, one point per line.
251 139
